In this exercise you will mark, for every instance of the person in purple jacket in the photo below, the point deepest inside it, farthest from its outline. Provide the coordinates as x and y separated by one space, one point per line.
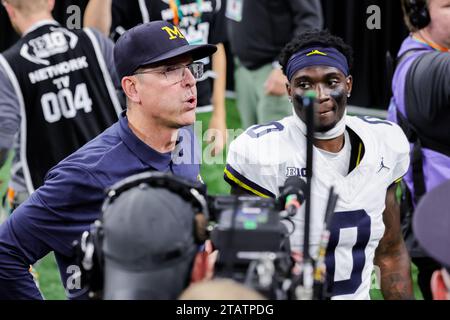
421 106
158 75
432 233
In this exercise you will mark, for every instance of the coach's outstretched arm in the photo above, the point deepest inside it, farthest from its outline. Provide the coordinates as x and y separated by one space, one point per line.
392 256
50 220
16 282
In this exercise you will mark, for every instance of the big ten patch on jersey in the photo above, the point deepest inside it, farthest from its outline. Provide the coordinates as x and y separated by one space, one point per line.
295 172
58 40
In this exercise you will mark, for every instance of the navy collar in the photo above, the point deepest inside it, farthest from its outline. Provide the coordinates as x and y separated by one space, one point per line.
149 156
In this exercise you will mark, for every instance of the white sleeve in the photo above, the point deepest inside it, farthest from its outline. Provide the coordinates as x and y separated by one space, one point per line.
246 170
400 145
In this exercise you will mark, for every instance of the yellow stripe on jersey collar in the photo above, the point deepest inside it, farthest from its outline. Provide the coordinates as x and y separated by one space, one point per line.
358 160
243 185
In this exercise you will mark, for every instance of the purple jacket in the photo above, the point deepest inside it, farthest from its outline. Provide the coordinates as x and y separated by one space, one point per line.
436 166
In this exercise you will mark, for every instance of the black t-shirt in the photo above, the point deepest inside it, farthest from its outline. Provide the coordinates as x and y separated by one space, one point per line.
67 95
259 29
427 98
200 21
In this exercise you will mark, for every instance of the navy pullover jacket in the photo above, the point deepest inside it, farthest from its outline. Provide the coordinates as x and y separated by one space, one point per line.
70 201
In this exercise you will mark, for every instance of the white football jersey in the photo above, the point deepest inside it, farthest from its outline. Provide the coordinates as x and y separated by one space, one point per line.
264 156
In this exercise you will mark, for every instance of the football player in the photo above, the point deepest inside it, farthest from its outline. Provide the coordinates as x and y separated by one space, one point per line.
362 157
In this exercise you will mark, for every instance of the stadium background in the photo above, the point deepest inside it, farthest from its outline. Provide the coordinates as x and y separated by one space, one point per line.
371 91
345 18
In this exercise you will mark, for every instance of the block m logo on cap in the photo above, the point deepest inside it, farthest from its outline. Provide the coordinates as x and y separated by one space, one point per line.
173 33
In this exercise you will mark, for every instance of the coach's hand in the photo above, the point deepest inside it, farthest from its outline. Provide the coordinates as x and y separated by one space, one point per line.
275 84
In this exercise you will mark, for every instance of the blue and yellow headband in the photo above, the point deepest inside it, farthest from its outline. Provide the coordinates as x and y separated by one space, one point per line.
316 56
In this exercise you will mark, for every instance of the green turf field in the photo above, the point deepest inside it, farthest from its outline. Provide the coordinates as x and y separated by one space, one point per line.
212 174
4 180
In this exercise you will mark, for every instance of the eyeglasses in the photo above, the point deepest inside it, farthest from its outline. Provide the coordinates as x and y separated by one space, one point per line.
177 73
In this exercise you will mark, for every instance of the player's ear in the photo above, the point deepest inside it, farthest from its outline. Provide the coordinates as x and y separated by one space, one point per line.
50 5
9 9
288 89
129 86
349 84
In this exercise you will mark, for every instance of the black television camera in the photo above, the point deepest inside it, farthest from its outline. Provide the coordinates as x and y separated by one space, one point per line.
253 244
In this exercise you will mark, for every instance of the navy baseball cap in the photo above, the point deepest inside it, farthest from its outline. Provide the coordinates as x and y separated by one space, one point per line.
148 244
431 223
154 42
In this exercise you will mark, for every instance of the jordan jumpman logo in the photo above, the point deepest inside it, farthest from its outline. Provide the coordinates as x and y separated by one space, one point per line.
382 165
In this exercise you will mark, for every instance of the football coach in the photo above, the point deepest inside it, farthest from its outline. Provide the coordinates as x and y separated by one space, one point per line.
158 75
